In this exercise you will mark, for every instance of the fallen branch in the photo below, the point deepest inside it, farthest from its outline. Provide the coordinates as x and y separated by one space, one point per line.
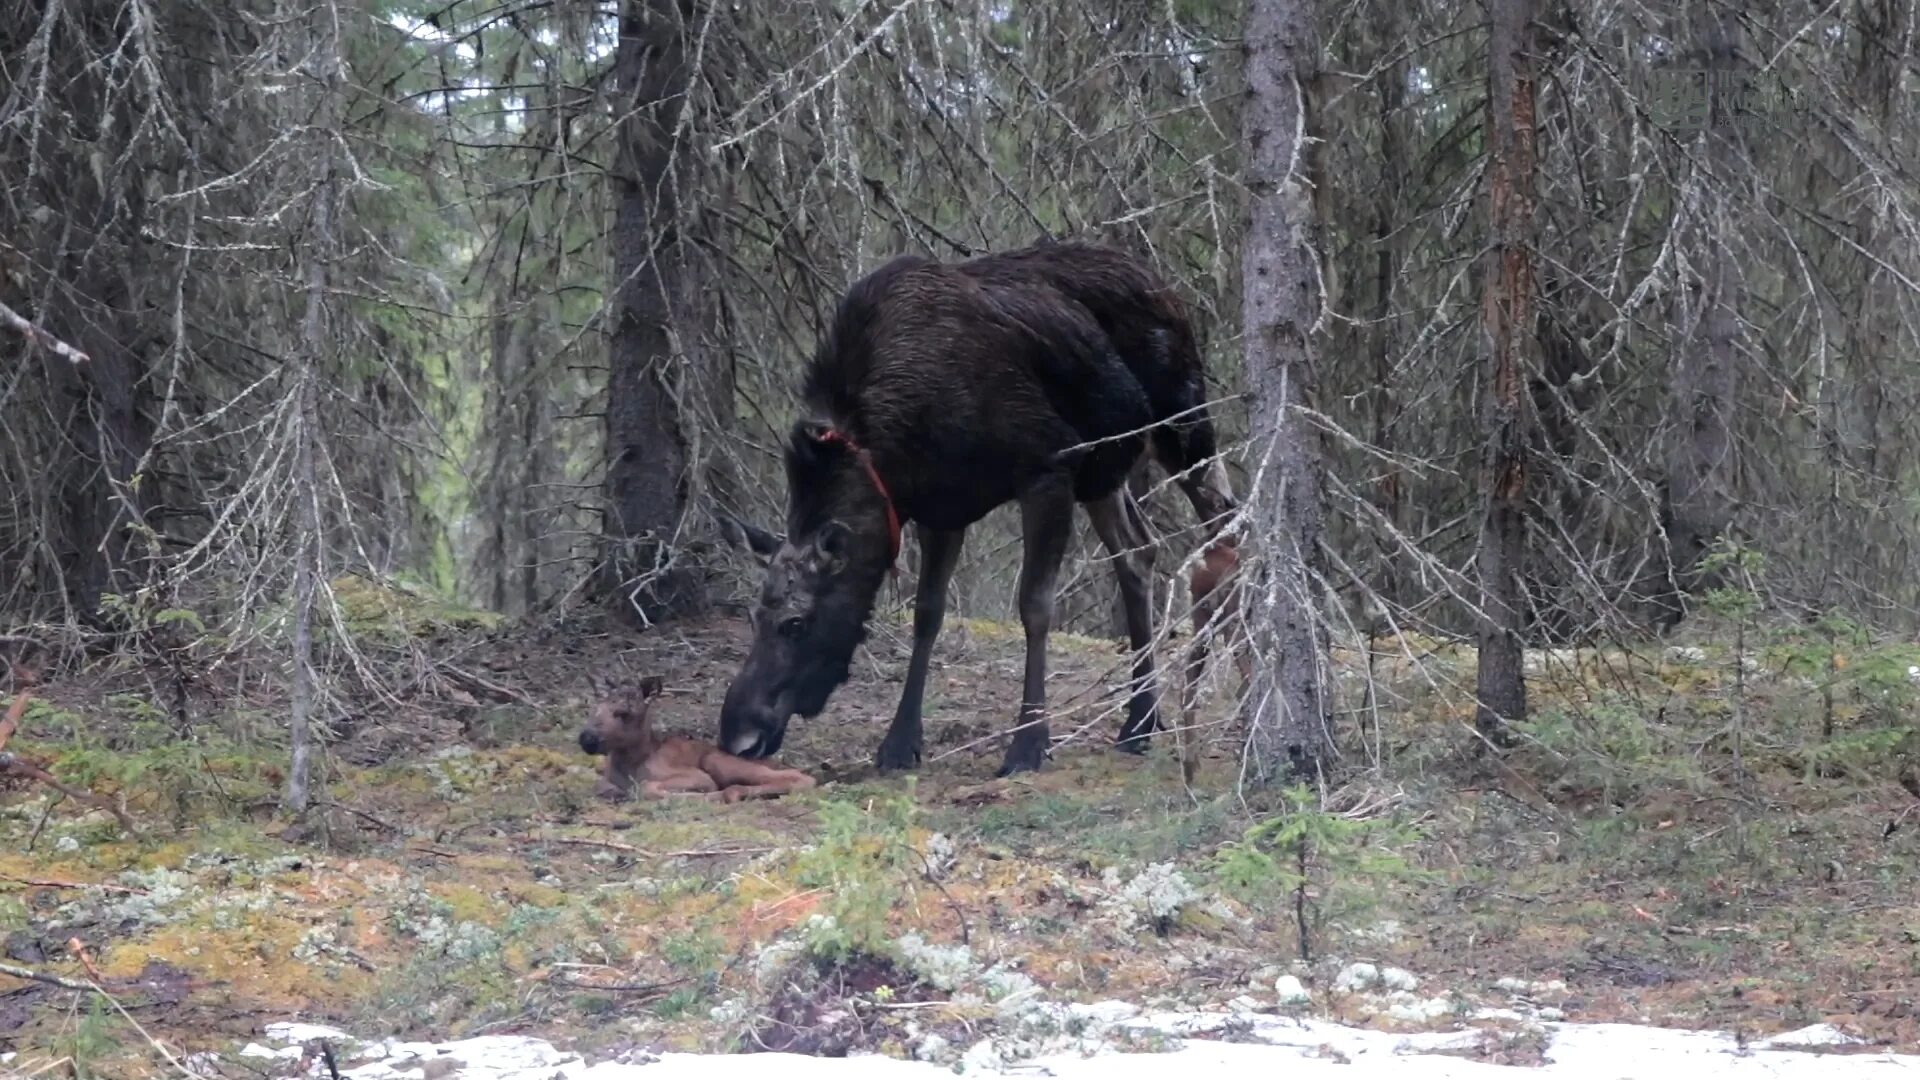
41 883
615 845
481 685
51 980
622 988
41 337
363 815
582 841
79 949
12 765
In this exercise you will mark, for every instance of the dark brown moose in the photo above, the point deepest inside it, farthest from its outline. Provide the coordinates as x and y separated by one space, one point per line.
941 391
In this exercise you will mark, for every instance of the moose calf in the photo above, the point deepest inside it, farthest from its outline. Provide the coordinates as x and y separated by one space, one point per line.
1215 594
621 729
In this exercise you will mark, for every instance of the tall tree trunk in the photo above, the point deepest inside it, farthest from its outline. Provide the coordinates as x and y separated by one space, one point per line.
1699 428
1281 303
650 574
1389 491
1507 318
320 246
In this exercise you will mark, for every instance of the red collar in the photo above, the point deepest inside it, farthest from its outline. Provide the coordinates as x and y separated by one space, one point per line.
879 485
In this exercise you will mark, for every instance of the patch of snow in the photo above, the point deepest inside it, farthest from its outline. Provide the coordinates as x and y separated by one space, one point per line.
980 1057
1393 978
1404 1006
1291 991
1385 932
299 1033
1813 1035
1304 1049
1356 977
1104 1013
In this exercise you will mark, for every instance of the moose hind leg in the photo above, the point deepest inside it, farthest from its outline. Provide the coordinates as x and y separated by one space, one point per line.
1046 524
939 553
1132 568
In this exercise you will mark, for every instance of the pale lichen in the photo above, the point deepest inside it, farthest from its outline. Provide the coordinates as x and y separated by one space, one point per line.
1153 898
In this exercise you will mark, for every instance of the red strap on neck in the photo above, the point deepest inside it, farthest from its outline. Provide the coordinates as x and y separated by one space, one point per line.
879 485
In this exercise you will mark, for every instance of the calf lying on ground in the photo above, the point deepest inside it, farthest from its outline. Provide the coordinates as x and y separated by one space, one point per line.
622 729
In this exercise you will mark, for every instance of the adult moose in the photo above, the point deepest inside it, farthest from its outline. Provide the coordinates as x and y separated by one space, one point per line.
940 392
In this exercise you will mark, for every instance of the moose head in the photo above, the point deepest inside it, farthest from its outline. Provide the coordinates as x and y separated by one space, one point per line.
821 580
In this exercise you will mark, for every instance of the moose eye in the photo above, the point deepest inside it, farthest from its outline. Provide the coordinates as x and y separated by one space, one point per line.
792 626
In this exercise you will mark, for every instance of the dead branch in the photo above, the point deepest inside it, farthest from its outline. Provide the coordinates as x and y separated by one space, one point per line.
79 950
40 337
12 764
40 883
50 980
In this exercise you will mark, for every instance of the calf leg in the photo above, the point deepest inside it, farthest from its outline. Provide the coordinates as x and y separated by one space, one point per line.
739 778
788 782
1132 567
939 553
1046 524
679 782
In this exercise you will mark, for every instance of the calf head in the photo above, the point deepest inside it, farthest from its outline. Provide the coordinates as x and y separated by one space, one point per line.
621 729
820 584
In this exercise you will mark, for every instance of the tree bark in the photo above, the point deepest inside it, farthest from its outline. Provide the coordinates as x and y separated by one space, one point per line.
320 247
1699 429
650 576
1507 319
1282 294
1389 490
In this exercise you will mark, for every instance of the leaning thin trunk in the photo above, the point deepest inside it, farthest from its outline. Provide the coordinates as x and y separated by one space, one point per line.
1507 317
1281 281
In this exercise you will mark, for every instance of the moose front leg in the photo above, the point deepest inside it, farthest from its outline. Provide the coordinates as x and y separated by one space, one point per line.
1046 523
939 554
1132 568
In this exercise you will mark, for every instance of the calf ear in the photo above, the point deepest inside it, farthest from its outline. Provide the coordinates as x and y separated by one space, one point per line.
650 687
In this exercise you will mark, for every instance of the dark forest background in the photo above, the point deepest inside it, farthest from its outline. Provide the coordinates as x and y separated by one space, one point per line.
1605 309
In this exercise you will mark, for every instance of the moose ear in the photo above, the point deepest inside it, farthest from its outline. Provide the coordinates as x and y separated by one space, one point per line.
757 540
832 541
650 687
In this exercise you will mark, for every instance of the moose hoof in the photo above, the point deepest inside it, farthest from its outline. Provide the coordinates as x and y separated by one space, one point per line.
897 756
1020 761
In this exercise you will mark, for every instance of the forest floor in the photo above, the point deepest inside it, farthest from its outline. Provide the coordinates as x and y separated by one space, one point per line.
1679 841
